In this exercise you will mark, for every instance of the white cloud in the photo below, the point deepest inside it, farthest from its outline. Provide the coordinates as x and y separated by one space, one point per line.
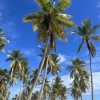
29 52
96 78
62 58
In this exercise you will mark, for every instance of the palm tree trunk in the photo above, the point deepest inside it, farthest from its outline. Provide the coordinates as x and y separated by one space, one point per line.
39 71
51 88
81 97
92 93
11 75
45 73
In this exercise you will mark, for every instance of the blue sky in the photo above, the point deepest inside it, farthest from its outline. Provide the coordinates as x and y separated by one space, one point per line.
22 37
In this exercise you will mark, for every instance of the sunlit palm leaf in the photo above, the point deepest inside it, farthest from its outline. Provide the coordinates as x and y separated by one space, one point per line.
96 38
62 5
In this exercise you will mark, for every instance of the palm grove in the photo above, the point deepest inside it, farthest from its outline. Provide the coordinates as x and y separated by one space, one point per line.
51 25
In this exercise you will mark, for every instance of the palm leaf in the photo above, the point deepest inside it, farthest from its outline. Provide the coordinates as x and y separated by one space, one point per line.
42 4
96 38
96 26
32 17
63 21
62 5
81 45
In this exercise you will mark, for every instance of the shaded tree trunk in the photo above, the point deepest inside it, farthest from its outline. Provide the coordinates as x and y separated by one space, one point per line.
45 73
81 97
92 92
39 71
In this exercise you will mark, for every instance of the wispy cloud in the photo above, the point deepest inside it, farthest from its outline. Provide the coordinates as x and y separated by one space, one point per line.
65 59
29 52
96 77
0 16
98 5
62 58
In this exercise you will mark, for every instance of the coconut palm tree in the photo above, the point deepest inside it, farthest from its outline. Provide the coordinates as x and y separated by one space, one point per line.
4 77
86 31
18 63
3 39
75 90
80 78
58 88
50 23
46 90
52 67
63 92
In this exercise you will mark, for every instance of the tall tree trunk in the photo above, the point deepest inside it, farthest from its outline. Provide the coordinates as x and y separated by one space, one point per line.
92 93
8 84
81 97
45 73
39 71
50 95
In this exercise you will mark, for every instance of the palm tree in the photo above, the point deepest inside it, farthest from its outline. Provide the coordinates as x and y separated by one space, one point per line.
3 40
46 90
50 65
18 63
75 90
86 31
80 78
58 88
4 77
63 92
50 23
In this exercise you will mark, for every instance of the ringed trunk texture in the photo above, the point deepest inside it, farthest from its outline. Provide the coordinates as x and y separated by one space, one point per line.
45 73
92 92
39 71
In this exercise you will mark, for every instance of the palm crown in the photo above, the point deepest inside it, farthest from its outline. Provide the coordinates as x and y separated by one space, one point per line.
50 21
86 31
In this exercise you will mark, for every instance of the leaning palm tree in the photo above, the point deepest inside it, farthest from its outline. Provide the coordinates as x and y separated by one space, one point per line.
80 77
17 66
17 59
3 40
50 23
50 65
46 90
86 31
4 77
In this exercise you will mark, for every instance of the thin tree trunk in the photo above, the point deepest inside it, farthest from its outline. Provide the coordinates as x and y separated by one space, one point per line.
39 71
51 88
11 75
45 73
92 93
81 97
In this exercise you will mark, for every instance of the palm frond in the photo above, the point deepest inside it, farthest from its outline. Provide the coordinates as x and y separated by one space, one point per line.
96 26
42 4
81 45
62 5
96 38
32 17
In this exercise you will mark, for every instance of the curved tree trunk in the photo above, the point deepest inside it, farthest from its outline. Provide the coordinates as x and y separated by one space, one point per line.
39 71
45 73
92 93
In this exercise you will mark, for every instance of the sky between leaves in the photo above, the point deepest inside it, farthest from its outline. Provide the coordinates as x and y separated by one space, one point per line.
22 37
